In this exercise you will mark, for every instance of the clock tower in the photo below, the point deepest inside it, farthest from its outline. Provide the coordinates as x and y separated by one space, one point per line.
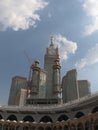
50 58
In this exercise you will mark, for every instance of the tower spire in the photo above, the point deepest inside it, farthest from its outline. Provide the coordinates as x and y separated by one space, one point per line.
52 41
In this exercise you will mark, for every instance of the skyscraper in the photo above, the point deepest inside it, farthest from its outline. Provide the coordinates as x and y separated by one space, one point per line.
52 67
21 96
72 88
84 88
18 82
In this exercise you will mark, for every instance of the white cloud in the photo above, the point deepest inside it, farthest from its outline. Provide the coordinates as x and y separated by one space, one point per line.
91 9
65 46
20 14
90 58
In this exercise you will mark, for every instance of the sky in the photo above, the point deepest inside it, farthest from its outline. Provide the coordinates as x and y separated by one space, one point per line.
26 27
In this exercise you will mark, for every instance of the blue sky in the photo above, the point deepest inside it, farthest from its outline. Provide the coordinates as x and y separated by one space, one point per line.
28 25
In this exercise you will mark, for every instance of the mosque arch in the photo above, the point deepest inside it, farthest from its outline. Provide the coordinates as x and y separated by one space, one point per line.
62 117
28 118
95 109
79 114
46 119
12 118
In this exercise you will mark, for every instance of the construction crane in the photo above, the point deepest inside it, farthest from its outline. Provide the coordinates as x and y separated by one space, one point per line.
30 70
30 74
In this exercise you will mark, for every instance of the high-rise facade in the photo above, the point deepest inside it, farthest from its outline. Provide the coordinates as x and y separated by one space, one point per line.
18 82
52 67
72 88
84 88
21 96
